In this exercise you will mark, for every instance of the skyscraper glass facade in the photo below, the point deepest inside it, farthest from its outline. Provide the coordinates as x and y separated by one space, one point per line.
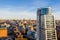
45 25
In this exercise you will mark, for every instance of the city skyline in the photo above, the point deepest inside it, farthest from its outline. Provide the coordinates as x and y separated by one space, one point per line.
15 9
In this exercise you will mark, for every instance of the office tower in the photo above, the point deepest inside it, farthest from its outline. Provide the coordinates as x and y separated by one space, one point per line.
45 25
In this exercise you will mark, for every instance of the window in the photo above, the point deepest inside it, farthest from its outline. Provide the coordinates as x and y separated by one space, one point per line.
51 35
44 11
49 39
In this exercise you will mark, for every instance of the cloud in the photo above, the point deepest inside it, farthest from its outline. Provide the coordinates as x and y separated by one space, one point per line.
17 12
57 15
27 10
56 11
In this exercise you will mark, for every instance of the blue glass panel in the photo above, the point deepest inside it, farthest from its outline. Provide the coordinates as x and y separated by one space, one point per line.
44 11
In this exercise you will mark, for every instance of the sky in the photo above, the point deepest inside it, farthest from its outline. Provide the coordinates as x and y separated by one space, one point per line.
27 9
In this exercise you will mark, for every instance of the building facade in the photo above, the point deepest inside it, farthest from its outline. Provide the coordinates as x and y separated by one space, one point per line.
46 29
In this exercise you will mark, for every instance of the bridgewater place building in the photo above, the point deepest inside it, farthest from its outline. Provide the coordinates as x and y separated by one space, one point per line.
46 28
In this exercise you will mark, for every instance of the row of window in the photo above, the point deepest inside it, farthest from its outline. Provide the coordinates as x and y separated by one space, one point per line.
51 35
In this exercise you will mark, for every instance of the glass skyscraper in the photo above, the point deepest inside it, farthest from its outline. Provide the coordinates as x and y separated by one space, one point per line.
45 25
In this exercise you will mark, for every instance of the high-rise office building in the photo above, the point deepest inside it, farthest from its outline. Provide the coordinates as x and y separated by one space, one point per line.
45 25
